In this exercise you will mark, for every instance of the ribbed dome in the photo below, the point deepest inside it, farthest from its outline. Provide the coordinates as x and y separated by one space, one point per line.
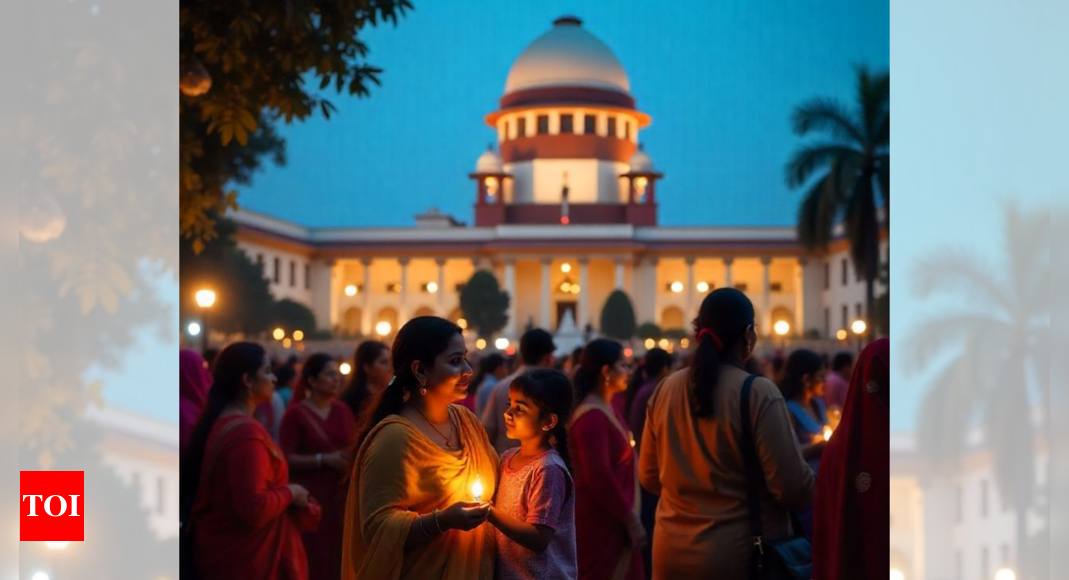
567 56
640 162
489 162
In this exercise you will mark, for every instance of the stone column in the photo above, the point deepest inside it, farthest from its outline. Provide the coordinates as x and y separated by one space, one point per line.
583 315
441 287
728 282
619 275
690 287
799 297
545 314
365 300
644 289
510 289
766 295
402 311
324 300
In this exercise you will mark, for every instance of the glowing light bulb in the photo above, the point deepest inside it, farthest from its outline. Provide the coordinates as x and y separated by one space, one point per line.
298 335
383 328
828 432
345 368
677 287
501 343
781 327
278 334
193 329
41 219
350 290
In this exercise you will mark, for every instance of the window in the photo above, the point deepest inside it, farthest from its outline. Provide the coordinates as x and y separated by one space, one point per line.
293 274
859 309
543 124
521 127
846 316
827 275
307 276
627 129
846 268
959 506
612 126
277 275
857 275
567 124
590 124
260 260
776 287
741 286
508 127
161 494
827 322
983 498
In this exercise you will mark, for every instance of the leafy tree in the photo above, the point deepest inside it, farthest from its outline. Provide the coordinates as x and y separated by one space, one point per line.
484 304
244 302
618 316
844 171
648 330
292 315
990 332
247 66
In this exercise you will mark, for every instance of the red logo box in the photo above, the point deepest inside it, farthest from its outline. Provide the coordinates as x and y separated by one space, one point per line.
53 506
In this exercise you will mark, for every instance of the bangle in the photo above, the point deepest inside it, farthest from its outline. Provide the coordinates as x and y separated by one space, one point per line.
429 537
319 460
436 524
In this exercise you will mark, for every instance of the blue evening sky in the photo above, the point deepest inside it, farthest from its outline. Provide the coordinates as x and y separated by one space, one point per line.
720 80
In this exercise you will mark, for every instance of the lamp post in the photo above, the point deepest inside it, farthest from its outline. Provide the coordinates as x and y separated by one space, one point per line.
205 300
782 328
858 327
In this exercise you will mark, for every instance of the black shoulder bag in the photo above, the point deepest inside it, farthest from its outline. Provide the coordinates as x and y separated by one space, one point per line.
787 559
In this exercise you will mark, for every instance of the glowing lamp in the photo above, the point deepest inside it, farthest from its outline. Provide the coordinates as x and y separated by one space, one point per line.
57 545
462 323
501 343
781 327
193 329
383 328
858 326
477 489
841 334
663 343
703 286
278 334
350 290
828 432
345 368
676 287
566 267
650 343
432 287
480 344
685 343
491 185
1005 574
205 298
287 342
298 335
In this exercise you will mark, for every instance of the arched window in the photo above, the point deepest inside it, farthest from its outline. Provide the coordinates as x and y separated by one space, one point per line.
672 317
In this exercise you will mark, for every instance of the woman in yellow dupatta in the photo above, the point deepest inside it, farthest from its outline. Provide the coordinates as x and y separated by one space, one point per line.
412 510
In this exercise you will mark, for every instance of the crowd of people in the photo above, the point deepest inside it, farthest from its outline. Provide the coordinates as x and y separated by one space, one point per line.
594 465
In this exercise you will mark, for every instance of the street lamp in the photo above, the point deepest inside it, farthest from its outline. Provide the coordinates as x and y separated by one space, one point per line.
858 327
205 300
501 343
1005 574
193 329
383 328
278 334
781 327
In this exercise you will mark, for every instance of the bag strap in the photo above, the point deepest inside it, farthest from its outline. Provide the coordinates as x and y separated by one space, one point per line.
755 478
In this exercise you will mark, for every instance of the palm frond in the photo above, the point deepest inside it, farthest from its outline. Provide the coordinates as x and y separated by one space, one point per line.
811 158
873 97
938 334
823 114
814 223
957 271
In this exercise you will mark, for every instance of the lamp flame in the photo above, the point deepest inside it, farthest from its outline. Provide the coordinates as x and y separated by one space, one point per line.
477 489
827 432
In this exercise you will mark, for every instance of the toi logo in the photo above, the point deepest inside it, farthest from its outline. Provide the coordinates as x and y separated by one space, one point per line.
53 506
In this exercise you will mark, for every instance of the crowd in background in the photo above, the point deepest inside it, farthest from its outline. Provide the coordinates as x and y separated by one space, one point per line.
640 468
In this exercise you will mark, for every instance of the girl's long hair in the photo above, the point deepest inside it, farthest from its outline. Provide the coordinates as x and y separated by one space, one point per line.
309 370
653 364
800 363
597 353
725 314
233 363
358 394
551 392
421 339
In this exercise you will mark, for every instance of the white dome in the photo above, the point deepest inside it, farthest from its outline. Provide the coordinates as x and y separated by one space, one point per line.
641 162
489 162
567 56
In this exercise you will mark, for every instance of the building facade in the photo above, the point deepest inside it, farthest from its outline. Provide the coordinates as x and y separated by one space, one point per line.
565 212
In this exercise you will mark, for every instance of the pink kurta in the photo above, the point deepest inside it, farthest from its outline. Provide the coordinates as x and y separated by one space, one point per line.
303 432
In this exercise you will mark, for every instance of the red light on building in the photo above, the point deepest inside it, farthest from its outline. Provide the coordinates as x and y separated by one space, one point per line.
564 220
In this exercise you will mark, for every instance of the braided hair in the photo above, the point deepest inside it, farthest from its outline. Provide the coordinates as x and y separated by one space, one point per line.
723 320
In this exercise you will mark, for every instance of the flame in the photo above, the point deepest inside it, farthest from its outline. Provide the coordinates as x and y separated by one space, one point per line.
827 432
477 489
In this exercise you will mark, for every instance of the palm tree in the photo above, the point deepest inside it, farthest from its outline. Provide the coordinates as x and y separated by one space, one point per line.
989 355
843 171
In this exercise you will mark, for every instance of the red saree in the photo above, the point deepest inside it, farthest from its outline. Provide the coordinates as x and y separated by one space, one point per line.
852 505
606 493
303 432
244 527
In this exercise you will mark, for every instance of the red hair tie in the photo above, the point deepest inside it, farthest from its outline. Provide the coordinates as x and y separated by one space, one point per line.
712 335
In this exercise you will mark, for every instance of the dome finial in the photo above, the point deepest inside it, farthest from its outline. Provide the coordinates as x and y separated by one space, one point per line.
568 20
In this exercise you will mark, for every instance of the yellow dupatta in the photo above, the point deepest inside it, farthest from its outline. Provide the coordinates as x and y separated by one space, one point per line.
399 474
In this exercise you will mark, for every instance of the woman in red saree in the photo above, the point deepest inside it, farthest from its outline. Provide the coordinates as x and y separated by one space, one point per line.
852 506
238 504
609 532
316 433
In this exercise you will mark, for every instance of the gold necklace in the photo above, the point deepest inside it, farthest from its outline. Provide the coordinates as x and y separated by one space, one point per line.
448 443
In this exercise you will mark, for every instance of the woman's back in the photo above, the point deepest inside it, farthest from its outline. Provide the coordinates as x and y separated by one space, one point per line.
696 465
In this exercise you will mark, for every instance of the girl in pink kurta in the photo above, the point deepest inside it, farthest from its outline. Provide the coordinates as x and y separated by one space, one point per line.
609 533
534 510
